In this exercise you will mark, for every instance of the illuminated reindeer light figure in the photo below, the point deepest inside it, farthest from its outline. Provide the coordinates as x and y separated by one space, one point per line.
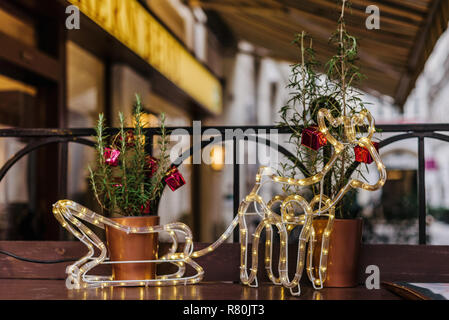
326 207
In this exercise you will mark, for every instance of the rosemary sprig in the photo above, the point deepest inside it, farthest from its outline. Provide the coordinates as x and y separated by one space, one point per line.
125 189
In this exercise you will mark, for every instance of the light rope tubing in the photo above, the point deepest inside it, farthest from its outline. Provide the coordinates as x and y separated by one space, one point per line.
66 210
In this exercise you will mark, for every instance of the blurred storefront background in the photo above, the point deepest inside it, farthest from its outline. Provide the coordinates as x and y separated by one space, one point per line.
51 77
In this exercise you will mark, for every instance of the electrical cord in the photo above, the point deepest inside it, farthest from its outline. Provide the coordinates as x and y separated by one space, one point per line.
36 261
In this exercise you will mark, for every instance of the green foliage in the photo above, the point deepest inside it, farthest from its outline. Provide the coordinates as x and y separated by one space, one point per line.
157 185
311 91
126 189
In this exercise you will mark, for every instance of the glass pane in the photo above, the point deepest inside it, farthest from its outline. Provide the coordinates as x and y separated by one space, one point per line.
437 189
85 99
17 105
14 192
391 213
391 217
17 210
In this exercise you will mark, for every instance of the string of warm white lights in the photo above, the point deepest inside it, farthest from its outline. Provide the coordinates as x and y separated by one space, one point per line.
68 211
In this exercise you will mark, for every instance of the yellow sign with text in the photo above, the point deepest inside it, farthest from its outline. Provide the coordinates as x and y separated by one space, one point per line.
136 28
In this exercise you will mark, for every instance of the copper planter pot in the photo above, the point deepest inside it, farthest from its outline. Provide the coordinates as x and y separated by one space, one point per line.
132 247
344 251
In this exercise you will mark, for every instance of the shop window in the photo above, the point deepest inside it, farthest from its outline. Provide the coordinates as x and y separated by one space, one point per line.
17 107
85 99
85 83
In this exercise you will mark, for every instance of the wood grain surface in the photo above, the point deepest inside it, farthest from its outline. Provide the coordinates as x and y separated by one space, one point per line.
21 289
396 262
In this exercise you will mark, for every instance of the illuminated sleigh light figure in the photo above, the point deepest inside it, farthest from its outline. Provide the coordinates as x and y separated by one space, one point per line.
67 211
69 214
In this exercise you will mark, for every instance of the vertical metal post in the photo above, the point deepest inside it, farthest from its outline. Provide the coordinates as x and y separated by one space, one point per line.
63 154
149 143
63 151
195 141
421 191
236 197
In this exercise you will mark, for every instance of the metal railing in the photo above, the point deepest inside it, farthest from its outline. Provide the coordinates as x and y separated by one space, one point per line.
39 137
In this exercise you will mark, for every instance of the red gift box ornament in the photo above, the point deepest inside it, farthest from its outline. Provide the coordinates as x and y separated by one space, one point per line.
313 138
145 209
111 156
129 139
362 154
151 165
174 179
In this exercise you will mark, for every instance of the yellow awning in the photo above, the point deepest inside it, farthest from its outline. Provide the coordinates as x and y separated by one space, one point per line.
136 28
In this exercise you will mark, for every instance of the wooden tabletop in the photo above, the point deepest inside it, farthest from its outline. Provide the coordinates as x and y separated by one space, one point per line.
20 280
35 289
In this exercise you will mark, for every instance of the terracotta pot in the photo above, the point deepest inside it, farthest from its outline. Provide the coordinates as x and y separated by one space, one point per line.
344 251
129 247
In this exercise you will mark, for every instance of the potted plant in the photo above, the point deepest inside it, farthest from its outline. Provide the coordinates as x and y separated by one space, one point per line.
334 91
127 184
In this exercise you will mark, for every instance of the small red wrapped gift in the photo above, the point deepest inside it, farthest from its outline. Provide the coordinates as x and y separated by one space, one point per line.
313 138
145 209
129 139
111 156
174 179
151 165
362 154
